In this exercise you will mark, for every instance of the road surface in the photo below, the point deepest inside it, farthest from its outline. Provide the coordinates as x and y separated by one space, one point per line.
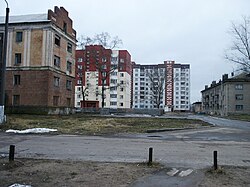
187 148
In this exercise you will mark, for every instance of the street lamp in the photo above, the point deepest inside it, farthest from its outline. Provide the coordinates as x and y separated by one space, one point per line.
3 66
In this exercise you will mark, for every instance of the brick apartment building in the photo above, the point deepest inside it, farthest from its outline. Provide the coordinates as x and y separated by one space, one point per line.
100 69
166 85
227 96
40 61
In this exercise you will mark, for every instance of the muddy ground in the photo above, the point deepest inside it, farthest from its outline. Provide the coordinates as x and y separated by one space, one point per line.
93 174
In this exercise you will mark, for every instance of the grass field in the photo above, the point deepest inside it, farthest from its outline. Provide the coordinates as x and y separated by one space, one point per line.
243 117
96 125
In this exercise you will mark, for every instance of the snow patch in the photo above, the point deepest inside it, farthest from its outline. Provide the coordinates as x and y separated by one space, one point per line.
19 185
34 130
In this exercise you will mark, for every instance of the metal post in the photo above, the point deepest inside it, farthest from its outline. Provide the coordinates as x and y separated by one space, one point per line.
3 67
12 153
150 156
215 160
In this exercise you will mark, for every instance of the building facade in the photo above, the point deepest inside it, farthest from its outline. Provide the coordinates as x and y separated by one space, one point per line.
181 91
103 78
40 69
228 96
165 86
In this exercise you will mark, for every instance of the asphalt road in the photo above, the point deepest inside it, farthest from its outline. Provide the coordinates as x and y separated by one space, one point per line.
185 148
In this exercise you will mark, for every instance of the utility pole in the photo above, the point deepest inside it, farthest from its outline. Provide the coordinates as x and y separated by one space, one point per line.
3 66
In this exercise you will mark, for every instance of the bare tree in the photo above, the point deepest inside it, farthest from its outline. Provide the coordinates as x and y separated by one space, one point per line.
157 80
103 39
105 69
84 41
239 52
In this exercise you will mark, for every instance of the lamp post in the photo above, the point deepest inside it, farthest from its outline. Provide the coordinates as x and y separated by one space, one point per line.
3 67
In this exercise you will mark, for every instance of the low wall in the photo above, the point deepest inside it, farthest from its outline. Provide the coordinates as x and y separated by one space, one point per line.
40 110
121 111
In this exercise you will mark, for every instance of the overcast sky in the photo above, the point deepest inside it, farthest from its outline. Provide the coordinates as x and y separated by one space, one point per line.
186 31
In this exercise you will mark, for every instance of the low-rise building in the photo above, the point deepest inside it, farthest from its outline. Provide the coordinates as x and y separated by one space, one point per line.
227 96
40 69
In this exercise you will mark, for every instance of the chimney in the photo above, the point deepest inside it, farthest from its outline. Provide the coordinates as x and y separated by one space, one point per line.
206 87
224 77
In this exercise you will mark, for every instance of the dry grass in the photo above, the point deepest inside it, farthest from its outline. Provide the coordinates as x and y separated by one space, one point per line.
243 117
96 125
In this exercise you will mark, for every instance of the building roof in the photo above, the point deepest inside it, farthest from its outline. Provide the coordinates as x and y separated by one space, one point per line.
30 18
242 77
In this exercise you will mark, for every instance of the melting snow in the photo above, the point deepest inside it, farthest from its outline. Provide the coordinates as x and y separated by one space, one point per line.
34 130
19 185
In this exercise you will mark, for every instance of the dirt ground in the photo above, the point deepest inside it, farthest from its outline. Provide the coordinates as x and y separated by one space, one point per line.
71 173
93 174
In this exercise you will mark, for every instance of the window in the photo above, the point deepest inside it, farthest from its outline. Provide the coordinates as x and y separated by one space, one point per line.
104 74
113 96
79 82
113 103
122 74
114 73
56 81
121 96
68 102
239 96
16 100
239 107
79 59
16 80
57 40
121 60
79 67
239 87
19 36
104 81
114 88
69 47
104 59
55 100
57 61
65 27
121 89
113 81
69 85
18 58
113 59
69 66
121 104
104 66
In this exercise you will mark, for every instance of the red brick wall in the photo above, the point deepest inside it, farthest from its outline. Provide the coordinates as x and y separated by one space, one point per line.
127 65
37 88
59 17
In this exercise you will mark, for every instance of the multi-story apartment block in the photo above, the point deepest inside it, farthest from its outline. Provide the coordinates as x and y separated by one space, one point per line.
40 69
181 78
163 86
103 77
228 96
